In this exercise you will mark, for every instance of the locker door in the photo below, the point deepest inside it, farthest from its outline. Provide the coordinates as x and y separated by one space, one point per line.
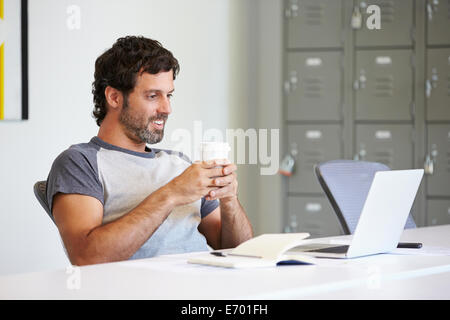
396 23
388 144
438 183
313 23
437 84
438 19
383 85
314 215
313 86
315 143
438 212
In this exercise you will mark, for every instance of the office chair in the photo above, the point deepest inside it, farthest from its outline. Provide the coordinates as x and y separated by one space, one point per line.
346 184
40 189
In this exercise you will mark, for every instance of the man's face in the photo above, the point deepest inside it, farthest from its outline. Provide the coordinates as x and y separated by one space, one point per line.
147 107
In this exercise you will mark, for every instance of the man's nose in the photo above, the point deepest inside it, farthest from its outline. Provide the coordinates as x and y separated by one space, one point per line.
164 106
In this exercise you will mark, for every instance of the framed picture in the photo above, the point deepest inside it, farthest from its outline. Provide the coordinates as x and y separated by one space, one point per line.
13 60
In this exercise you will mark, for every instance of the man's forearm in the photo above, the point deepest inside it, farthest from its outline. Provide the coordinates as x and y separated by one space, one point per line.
121 238
236 227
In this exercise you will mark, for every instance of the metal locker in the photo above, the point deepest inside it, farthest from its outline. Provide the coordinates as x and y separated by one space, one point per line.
437 84
313 23
438 20
313 87
438 212
437 160
388 144
396 27
313 215
313 144
384 85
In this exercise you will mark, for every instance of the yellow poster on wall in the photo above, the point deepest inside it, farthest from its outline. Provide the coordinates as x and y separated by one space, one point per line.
13 60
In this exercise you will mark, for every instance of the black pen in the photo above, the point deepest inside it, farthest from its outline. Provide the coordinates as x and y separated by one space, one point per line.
218 253
227 253
409 245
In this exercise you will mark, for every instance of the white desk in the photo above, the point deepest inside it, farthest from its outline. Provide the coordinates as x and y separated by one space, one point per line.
170 277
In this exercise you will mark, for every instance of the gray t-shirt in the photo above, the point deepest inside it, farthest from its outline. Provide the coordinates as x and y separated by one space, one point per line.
120 179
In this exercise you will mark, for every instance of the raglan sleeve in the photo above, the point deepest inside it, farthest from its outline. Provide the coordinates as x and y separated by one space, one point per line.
74 171
208 206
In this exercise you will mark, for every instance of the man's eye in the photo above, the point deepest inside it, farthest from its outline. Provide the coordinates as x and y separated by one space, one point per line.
169 95
153 96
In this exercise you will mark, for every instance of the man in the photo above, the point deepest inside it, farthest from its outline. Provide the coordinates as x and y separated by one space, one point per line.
114 198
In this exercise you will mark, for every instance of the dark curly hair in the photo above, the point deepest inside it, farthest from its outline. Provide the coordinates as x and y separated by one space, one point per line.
119 67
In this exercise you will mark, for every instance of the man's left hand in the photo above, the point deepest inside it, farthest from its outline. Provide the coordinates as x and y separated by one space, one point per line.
227 183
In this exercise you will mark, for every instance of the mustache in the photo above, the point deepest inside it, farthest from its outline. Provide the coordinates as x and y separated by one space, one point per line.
161 116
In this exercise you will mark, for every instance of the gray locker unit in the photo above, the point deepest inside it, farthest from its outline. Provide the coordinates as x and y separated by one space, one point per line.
437 84
314 144
384 85
438 212
390 144
396 23
437 111
312 23
376 95
313 215
438 22
313 86
438 176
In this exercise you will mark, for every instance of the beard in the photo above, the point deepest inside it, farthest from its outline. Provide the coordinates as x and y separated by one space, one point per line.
137 127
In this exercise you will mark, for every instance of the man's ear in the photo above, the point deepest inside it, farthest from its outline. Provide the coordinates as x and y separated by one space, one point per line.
114 98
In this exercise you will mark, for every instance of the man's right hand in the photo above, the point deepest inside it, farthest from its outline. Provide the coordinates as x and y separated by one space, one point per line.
196 181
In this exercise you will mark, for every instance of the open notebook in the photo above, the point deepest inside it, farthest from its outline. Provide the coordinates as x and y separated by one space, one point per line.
262 251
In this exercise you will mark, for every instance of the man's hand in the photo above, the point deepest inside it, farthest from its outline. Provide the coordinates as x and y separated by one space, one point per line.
228 225
227 184
198 180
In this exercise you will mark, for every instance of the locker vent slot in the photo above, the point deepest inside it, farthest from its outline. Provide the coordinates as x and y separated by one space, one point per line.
312 157
314 15
384 86
314 87
387 12
384 156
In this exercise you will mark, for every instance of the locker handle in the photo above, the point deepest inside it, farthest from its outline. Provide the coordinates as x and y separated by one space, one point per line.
430 11
432 83
292 11
361 155
292 224
356 20
428 166
428 88
430 160
291 84
287 165
360 82
431 8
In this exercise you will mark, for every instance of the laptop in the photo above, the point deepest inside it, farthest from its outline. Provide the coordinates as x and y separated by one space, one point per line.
382 219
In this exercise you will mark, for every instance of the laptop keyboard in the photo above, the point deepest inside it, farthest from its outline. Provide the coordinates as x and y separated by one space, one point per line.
337 249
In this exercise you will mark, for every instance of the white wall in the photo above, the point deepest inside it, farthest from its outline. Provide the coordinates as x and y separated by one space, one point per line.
269 109
216 43
256 93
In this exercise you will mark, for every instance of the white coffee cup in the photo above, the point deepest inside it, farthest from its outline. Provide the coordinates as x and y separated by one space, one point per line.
214 150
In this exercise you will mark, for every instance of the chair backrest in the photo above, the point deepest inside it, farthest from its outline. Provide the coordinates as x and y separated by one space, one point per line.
40 191
346 184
